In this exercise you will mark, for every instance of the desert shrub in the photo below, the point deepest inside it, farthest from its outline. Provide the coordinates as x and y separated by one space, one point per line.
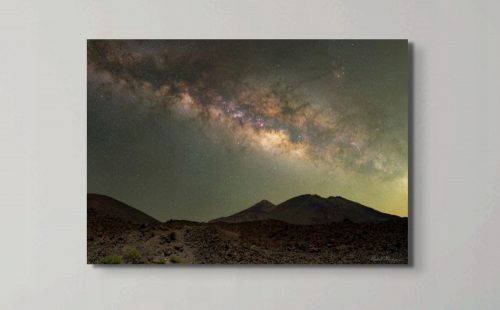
112 259
175 259
131 255
159 260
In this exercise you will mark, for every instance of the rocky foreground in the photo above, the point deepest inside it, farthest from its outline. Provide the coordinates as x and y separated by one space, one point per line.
118 234
260 242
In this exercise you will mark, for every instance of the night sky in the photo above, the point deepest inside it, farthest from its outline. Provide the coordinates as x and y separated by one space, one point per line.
201 129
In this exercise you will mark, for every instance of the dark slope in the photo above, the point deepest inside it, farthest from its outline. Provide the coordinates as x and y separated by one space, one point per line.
259 211
311 210
103 209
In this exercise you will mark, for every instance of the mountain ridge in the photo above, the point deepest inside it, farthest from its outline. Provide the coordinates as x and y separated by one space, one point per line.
306 209
310 209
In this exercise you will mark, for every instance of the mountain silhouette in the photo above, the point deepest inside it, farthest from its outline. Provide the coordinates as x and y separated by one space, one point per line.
257 212
309 210
104 209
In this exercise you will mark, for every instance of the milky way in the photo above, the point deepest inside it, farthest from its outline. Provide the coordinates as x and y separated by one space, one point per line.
339 106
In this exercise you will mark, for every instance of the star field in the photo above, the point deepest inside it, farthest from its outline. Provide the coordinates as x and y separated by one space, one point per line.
200 129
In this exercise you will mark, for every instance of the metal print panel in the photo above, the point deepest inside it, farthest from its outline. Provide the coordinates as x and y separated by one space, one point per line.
247 151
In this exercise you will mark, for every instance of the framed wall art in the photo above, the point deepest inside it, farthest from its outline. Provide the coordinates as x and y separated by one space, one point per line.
247 151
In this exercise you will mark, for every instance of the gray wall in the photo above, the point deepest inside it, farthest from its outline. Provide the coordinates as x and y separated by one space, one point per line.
456 157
